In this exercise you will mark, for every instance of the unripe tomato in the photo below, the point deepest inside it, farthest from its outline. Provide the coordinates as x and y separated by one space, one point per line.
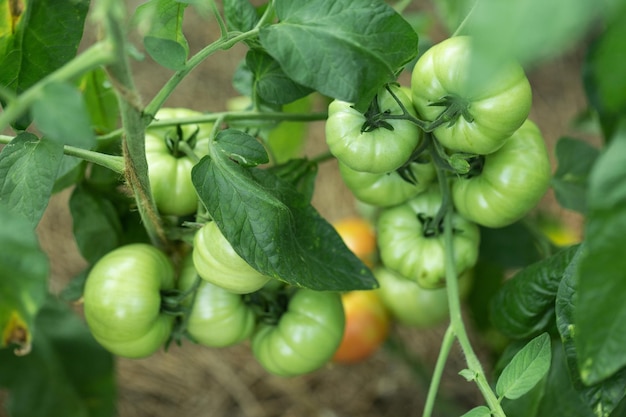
122 300
360 237
367 326
169 168
217 262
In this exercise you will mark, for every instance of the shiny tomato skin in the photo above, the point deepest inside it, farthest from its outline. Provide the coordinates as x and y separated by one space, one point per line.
122 300
360 237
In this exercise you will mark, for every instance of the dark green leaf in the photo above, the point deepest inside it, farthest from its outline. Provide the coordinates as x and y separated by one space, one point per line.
575 159
60 113
604 396
512 246
270 82
66 374
301 173
101 101
488 277
241 147
161 22
275 228
524 307
28 168
24 272
345 49
96 226
526 369
45 37
240 15
600 314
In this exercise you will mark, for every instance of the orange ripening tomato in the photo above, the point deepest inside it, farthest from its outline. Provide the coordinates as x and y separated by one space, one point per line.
360 237
367 326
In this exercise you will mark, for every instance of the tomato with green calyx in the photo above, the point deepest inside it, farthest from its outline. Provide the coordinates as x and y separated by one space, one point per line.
304 338
367 326
217 262
505 185
411 304
360 237
390 188
368 142
169 167
122 300
412 243
484 113
216 317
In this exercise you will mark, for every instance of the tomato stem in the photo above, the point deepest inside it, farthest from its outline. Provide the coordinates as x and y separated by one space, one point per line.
444 352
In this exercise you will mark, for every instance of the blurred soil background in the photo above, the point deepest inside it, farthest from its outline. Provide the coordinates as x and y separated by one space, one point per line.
193 381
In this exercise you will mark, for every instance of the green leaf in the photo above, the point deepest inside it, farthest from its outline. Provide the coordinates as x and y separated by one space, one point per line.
604 396
269 80
575 161
600 314
100 100
61 115
526 368
97 228
44 37
553 396
275 228
241 147
604 62
28 169
240 15
480 411
513 246
483 290
66 374
528 30
345 49
524 306
160 22
24 271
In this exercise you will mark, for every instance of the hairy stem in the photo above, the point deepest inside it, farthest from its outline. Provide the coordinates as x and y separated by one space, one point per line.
444 352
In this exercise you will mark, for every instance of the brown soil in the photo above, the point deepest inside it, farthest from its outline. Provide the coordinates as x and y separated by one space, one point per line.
195 381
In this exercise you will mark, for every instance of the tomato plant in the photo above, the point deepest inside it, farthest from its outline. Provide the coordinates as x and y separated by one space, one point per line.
122 300
444 159
169 164
305 337
367 326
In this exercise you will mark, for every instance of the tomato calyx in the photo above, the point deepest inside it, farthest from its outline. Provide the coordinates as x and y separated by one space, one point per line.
455 107
175 141
375 118
269 303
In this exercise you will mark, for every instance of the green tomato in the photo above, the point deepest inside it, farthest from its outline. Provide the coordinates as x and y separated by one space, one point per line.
380 150
306 336
217 262
169 168
511 183
122 300
387 189
411 304
411 246
216 317
497 105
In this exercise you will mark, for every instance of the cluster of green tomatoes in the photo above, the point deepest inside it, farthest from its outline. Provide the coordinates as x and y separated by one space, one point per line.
138 299
445 141
490 162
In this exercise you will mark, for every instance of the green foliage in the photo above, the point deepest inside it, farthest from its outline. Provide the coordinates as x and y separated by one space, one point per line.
67 373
